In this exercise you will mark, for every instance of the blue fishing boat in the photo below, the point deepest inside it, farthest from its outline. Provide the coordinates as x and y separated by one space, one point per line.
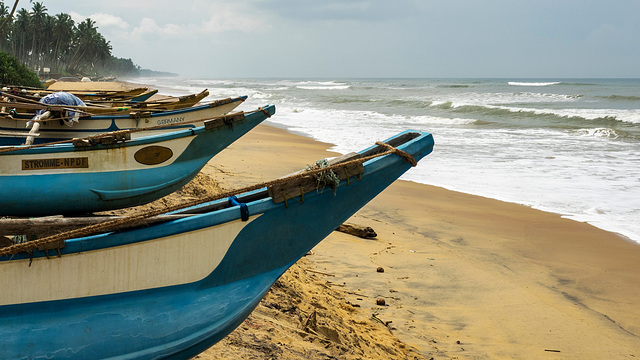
171 290
12 126
106 174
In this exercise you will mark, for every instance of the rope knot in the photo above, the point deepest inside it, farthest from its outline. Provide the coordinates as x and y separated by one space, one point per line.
403 154
264 111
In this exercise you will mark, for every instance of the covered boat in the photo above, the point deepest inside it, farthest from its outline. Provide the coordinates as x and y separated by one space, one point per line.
170 290
110 172
12 125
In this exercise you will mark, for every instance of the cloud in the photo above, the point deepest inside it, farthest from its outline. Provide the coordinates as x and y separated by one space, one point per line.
219 19
306 11
102 20
149 26
108 20
77 18
228 19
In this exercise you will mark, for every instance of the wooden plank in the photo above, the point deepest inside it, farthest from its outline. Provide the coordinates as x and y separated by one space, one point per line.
49 225
52 246
224 120
17 134
299 186
344 158
220 102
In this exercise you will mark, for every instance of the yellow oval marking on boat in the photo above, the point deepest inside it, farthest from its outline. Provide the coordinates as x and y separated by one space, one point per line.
153 155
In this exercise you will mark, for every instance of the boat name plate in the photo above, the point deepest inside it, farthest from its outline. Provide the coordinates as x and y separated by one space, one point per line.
57 163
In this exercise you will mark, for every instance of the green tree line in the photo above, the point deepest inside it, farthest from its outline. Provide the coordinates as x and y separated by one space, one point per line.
12 72
39 40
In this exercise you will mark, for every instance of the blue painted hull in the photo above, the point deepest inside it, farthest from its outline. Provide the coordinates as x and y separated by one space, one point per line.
177 322
182 320
113 177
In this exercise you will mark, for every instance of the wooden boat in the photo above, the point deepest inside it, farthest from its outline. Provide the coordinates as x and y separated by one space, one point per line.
123 94
104 173
28 105
12 128
170 290
132 98
181 102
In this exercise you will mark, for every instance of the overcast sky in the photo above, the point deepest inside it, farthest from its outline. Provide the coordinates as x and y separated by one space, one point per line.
370 38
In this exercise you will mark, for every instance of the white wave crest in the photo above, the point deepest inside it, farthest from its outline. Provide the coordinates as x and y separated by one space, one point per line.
516 83
324 87
598 132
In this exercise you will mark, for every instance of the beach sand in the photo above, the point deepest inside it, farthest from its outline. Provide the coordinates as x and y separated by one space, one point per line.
464 277
92 86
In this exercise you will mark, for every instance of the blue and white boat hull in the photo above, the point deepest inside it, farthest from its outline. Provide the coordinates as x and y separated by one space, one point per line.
66 179
171 290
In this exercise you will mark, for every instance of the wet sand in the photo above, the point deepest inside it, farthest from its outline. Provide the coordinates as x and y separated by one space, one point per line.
464 276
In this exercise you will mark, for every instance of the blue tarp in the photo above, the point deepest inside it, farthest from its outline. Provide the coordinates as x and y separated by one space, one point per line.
63 98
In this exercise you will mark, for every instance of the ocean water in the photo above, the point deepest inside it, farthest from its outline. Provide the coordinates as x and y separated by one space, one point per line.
567 146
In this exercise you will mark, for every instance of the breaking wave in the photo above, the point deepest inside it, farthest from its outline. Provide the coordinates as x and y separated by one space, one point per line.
516 83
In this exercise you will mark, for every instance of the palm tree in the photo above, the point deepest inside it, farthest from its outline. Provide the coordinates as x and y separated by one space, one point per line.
4 18
38 39
91 49
18 38
38 21
62 33
8 18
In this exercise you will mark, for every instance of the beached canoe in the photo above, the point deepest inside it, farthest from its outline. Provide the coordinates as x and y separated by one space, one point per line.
171 290
13 128
105 174
28 105
170 103
121 94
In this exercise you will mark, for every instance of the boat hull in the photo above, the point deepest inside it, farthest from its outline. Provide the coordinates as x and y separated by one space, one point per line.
51 131
193 297
65 179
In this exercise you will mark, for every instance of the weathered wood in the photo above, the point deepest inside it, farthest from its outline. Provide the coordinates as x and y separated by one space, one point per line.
53 107
226 120
114 138
49 225
344 158
356 230
298 186
136 115
36 126
5 241
220 102
52 246
18 134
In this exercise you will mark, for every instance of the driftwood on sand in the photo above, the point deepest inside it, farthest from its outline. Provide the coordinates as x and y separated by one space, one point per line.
357 230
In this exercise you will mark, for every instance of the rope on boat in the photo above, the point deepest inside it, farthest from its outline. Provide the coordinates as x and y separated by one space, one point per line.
325 177
403 154
136 219
121 134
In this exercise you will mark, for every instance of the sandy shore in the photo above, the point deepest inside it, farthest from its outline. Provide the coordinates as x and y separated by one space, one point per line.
465 276
92 86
